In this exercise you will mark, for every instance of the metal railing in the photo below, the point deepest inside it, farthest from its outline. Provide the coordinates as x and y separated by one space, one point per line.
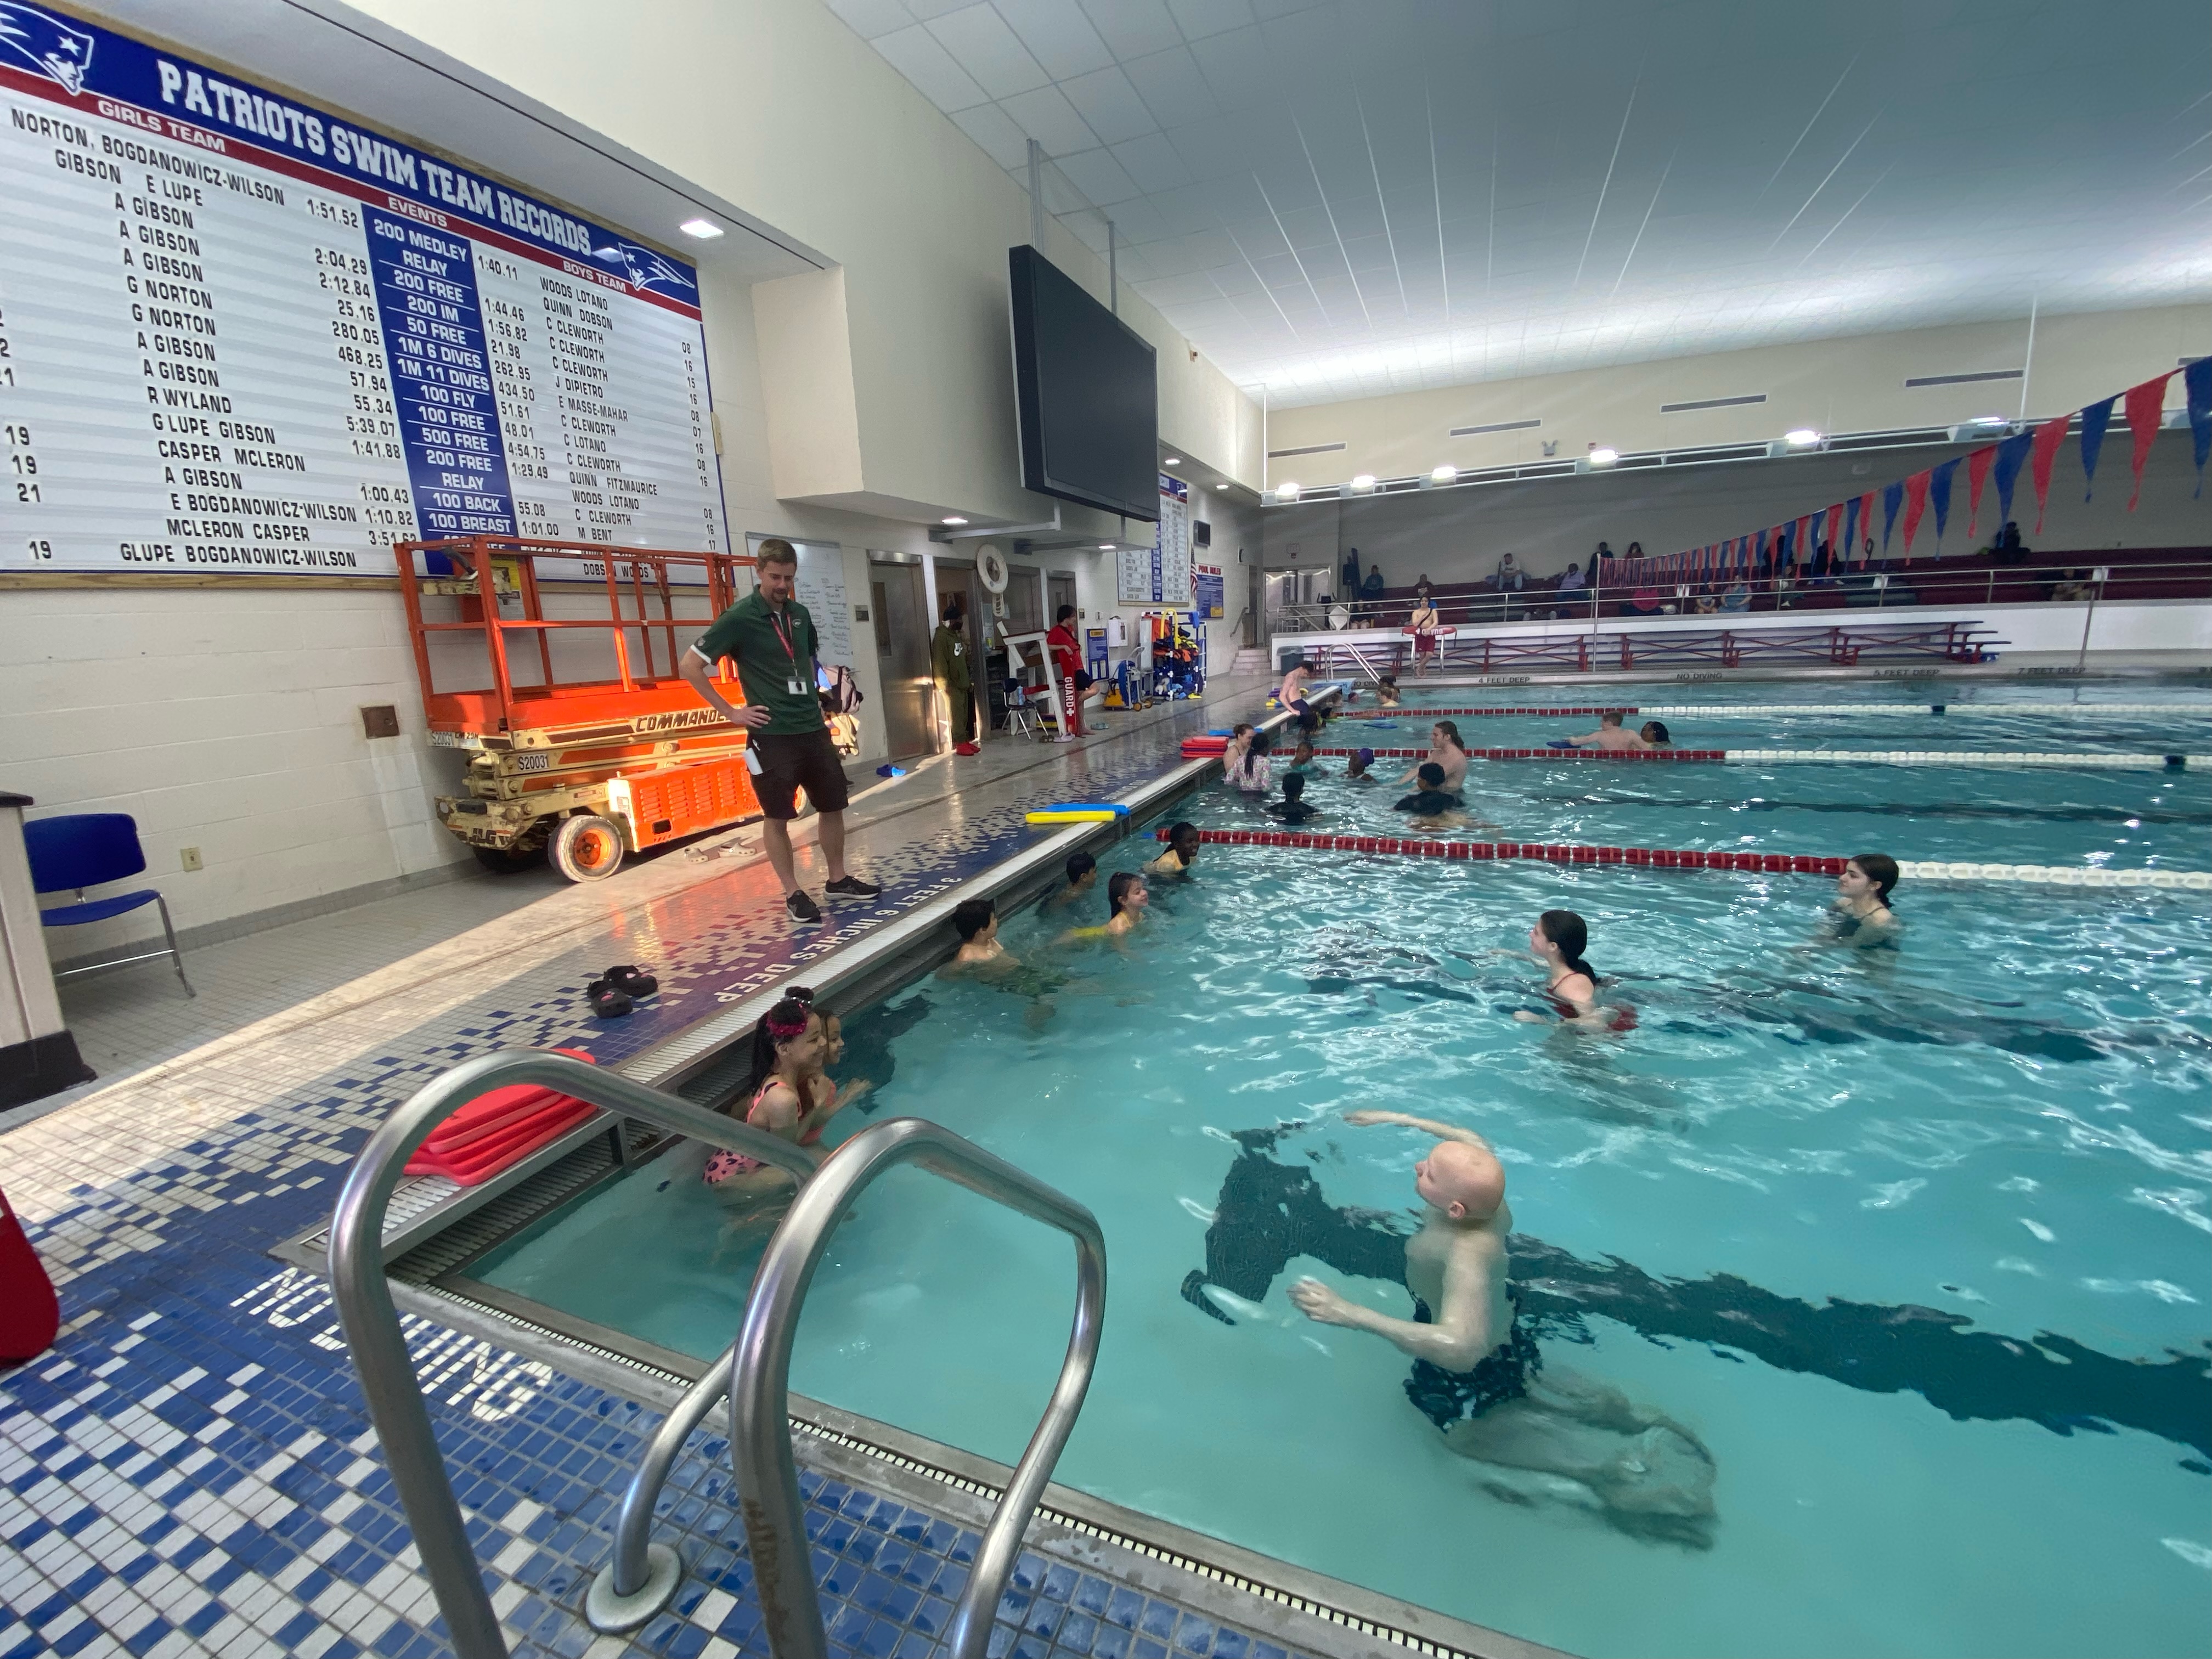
1887 585
758 1362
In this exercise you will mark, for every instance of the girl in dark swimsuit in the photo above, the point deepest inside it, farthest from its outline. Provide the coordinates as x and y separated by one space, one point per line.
1862 915
1558 940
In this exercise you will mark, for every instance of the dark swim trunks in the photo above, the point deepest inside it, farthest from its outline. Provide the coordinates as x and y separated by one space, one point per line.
1449 1397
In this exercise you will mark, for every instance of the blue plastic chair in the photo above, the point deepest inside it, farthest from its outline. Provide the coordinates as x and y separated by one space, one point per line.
79 850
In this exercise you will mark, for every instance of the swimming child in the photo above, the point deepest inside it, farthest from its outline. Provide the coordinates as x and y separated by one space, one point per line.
1292 696
1301 758
1655 735
1127 898
1386 691
1181 852
1861 916
789 1095
1082 877
981 958
1356 770
1558 940
1293 808
1479 1376
1436 806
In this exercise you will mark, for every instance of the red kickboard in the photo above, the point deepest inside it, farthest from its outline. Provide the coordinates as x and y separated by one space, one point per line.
497 1130
30 1312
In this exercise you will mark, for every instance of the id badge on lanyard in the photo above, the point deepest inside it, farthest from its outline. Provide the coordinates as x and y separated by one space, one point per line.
790 650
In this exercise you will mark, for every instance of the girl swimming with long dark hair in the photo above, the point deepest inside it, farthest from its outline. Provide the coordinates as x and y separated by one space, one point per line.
1558 940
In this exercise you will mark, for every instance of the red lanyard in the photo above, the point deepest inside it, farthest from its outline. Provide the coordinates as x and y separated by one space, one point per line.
775 621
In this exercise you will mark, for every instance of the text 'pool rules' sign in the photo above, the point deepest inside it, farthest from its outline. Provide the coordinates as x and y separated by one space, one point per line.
239 334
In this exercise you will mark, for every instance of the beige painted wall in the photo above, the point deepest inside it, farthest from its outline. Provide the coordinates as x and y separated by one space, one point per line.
778 107
1831 385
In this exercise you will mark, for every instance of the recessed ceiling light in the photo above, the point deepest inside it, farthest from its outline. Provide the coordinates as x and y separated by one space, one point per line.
952 518
1803 437
704 230
1172 460
1602 457
1220 488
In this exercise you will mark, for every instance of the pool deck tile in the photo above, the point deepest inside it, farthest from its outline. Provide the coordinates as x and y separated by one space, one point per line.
190 1471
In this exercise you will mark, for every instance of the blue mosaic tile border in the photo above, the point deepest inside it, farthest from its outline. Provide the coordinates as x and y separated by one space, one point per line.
191 1470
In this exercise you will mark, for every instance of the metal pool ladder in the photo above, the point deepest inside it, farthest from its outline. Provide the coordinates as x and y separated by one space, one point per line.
755 1372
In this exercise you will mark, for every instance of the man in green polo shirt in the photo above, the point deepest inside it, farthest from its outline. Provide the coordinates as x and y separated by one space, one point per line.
770 637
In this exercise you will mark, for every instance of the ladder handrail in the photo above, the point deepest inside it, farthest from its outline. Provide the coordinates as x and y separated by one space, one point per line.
378 1348
760 1373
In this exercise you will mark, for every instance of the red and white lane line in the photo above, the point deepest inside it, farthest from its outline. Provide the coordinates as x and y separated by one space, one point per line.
1772 864
1725 710
2004 757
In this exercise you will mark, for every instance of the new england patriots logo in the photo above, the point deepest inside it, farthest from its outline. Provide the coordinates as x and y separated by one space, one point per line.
47 43
648 270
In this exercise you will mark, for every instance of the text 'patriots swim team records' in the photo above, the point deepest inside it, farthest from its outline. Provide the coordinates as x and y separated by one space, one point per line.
240 335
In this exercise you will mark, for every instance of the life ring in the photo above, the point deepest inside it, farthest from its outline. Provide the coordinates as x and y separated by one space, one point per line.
991 567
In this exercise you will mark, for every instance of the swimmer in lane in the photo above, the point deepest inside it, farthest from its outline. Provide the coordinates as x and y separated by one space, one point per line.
1476 1364
1386 691
1655 735
1082 877
1181 852
1861 916
1356 770
1609 734
1448 751
1431 806
789 1095
1294 807
1558 940
1127 898
983 959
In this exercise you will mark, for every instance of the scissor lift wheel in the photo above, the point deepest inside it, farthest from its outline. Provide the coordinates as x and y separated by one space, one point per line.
588 847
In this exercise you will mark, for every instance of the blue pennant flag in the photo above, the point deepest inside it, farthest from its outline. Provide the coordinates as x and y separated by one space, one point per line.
2012 455
1851 527
2197 379
1939 497
2094 420
1891 498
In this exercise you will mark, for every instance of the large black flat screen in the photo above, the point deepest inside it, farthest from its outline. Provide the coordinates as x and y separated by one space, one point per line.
1089 405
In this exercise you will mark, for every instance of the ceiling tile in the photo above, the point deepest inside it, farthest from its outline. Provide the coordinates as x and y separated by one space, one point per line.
1199 18
1110 103
1098 176
1152 162
1133 28
915 53
1001 137
1047 117
1058 35
870 18
1172 87
980 41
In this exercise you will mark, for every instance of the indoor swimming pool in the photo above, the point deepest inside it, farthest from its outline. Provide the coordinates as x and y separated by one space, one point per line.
1912 1242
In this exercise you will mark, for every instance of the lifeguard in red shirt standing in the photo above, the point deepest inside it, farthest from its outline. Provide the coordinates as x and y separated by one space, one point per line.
1067 664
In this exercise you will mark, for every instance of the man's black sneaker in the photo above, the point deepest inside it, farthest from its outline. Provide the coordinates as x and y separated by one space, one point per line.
802 908
854 887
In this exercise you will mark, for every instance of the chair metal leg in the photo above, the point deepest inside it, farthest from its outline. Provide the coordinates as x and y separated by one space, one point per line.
175 955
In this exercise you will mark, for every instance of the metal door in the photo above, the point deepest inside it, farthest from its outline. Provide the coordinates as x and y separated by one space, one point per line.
903 658
1059 590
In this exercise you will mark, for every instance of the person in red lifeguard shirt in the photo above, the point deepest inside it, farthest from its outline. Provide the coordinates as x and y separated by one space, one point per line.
1067 664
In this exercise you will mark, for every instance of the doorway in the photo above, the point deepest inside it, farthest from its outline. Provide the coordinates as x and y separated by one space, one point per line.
903 658
1060 589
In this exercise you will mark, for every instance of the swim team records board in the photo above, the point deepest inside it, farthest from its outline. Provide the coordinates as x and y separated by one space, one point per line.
240 335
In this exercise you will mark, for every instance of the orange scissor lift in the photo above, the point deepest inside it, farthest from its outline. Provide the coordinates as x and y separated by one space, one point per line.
567 761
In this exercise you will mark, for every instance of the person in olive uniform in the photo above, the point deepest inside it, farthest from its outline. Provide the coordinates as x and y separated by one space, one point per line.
770 637
948 666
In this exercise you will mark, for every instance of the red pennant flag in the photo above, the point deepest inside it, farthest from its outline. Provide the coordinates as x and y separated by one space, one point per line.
2048 437
1866 523
1801 544
1916 504
1835 534
2145 407
1978 474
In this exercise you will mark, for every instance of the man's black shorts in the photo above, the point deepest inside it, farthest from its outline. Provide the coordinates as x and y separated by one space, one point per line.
792 760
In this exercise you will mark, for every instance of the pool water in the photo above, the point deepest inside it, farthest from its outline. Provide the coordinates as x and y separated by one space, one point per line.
1913 1242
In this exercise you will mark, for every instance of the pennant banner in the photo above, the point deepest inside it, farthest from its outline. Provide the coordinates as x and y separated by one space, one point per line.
2197 380
1893 497
1916 504
2012 455
2048 437
1939 497
2146 406
1978 474
2095 419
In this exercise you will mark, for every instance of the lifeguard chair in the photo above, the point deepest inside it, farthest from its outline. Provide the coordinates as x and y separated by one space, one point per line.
585 745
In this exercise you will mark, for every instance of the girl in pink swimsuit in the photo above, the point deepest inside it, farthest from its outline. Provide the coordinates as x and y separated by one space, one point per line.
791 1094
